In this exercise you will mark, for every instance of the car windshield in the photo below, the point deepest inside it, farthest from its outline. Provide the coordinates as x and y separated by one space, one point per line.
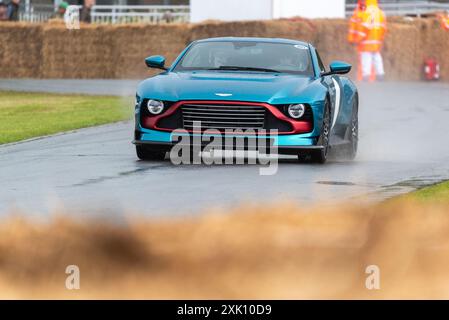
247 56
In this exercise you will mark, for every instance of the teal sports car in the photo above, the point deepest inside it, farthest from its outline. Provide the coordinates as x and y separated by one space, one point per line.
249 85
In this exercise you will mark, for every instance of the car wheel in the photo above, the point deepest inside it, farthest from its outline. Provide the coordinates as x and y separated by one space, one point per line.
320 156
146 153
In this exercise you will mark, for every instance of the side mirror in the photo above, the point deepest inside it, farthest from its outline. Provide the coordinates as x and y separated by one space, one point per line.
157 62
338 67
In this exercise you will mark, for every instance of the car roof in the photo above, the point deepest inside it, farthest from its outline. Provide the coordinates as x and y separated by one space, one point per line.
254 39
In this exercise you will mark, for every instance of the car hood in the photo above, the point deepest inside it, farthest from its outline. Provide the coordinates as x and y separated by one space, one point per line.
222 85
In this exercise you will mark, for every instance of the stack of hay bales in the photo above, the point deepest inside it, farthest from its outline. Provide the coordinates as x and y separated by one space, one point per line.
133 43
20 50
302 29
84 53
400 52
118 51
331 42
434 42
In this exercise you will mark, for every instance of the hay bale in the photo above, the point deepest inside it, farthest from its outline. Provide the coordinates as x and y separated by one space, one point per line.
117 51
435 43
227 29
100 51
84 53
331 42
401 51
20 46
300 29
133 43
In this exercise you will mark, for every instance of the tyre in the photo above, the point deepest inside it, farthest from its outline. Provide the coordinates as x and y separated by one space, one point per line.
146 153
320 156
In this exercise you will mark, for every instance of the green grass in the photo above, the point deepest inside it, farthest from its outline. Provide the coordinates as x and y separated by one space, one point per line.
28 115
436 193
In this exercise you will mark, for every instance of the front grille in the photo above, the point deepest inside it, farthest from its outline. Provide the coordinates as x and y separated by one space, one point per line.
221 117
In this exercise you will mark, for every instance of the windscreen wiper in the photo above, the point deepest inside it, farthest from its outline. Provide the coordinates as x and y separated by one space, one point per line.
237 68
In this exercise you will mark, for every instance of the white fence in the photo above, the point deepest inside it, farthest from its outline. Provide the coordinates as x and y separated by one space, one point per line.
139 13
36 13
406 8
116 13
160 14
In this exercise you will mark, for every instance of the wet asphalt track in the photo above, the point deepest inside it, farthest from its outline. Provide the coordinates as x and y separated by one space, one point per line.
404 144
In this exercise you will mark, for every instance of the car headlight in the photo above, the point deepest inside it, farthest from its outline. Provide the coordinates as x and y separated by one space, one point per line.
296 111
155 106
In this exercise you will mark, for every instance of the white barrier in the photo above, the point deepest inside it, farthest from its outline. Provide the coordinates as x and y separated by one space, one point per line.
139 13
115 13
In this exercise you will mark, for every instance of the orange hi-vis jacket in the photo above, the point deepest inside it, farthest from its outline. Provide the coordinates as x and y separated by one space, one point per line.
367 27
355 34
445 21
373 26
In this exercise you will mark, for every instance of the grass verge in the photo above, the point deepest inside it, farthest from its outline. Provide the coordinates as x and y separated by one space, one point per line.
26 115
435 193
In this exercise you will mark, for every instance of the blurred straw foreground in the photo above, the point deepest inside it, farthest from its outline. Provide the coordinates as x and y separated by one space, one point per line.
260 252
